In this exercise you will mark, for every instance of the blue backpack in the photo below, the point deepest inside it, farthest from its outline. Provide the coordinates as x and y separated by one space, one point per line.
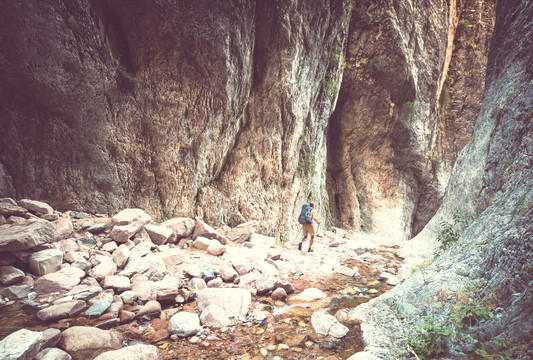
305 215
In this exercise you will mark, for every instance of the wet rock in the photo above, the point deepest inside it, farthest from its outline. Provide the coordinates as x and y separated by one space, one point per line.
181 227
204 230
26 234
22 344
10 275
117 283
36 206
242 232
90 339
134 352
236 302
46 261
53 354
326 324
61 311
214 316
279 294
184 324
158 234
60 281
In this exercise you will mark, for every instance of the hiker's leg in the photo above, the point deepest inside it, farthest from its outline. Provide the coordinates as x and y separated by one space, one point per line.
311 242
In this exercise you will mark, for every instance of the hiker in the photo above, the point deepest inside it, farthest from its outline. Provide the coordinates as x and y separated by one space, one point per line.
306 218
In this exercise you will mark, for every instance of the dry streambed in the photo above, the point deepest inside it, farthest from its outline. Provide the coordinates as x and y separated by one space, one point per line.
178 289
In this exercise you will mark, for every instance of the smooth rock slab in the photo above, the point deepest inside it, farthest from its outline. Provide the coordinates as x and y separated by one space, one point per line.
98 308
135 352
184 324
60 281
236 302
82 338
61 311
22 344
26 234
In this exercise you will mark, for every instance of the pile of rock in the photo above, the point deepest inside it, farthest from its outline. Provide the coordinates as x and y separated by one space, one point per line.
123 268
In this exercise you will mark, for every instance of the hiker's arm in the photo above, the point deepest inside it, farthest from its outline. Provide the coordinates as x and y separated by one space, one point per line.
313 217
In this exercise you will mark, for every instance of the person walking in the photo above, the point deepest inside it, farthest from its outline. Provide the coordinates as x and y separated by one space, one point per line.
307 216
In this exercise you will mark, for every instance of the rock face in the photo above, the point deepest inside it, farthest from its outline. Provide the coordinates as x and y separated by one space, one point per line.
232 98
492 181
384 166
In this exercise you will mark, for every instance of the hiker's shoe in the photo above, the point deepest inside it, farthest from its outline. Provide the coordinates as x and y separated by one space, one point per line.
310 250
300 246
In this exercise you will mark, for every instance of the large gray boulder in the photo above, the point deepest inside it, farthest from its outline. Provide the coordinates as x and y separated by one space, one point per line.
59 281
10 275
46 261
26 234
61 311
21 345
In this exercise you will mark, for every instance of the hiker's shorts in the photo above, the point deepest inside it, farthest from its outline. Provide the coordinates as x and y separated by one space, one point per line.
308 229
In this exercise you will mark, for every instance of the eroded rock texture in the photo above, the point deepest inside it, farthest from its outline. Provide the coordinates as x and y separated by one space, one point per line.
384 164
212 108
490 265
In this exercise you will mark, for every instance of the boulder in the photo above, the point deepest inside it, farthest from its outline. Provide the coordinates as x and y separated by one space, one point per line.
168 288
16 291
236 302
61 311
117 282
36 206
59 281
145 290
7 210
84 292
51 337
202 229
262 242
196 285
121 255
22 344
128 297
158 234
202 243
68 245
214 316
228 273
135 265
53 354
46 261
327 324
184 324
128 216
242 232
216 249
109 247
26 234
181 227
10 275
63 227
103 270
90 340
151 308
134 352
98 308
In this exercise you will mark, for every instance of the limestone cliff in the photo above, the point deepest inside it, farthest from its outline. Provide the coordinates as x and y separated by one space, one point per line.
229 110
488 270
214 108
387 137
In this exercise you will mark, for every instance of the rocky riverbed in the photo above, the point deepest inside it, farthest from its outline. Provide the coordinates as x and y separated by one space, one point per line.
85 286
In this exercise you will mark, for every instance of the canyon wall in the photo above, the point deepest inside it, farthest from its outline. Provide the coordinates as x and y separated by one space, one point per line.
390 148
241 110
188 108
488 270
